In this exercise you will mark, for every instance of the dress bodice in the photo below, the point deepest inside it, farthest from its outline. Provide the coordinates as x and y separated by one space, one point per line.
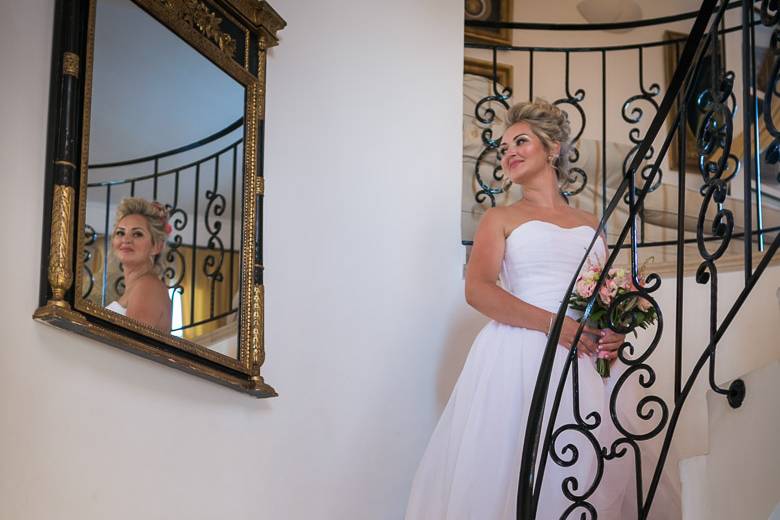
540 259
117 308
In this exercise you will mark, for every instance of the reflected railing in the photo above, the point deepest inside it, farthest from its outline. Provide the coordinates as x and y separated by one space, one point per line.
200 184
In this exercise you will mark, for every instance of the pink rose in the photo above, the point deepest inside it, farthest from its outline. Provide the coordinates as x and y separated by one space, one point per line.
585 287
608 291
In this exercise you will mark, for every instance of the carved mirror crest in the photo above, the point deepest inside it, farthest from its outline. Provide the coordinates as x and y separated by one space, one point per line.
153 224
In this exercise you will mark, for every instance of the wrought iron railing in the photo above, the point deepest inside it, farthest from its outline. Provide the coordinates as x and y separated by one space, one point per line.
632 112
199 184
718 166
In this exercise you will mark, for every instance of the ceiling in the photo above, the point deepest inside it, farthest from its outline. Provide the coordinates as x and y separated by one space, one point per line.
574 11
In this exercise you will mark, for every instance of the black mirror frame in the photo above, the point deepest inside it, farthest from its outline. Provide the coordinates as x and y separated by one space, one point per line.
66 165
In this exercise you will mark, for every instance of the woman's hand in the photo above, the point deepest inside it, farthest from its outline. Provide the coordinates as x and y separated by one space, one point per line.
609 343
587 345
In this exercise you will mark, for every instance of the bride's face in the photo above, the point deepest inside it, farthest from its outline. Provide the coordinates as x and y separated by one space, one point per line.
523 155
132 241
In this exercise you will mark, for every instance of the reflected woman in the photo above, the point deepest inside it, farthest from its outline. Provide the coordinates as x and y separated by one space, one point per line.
138 242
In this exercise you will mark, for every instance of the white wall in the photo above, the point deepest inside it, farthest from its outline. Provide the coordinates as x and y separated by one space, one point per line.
365 314
740 476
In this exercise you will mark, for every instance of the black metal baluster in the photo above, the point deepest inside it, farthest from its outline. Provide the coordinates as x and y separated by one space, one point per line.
89 240
194 244
680 269
747 121
232 224
574 179
604 135
212 265
106 249
531 75
156 174
486 115
757 134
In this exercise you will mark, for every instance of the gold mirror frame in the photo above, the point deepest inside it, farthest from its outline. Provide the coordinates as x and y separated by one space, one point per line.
200 24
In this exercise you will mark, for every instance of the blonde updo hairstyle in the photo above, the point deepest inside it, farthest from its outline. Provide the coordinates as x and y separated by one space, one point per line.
156 216
549 123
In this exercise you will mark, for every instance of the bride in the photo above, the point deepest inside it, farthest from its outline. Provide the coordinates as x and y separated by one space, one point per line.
470 469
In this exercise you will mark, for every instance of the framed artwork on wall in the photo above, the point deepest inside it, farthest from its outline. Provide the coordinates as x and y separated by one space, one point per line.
485 69
488 11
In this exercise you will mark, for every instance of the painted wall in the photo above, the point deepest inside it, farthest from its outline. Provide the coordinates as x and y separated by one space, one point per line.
366 324
745 440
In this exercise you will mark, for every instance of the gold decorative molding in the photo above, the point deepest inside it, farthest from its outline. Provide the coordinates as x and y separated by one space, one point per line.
60 270
261 62
70 64
197 15
258 349
261 14
260 186
248 325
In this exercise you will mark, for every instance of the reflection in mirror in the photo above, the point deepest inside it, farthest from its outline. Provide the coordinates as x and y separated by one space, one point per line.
166 127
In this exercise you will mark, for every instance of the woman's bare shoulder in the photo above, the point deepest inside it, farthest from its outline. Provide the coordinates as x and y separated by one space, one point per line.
149 286
506 218
587 218
495 218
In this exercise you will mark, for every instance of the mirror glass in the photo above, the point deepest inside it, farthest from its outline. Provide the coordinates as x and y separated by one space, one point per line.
166 126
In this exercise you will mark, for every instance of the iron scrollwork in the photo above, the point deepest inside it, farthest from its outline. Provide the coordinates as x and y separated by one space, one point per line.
486 115
89 241
771 19
574 179
212 264
633 113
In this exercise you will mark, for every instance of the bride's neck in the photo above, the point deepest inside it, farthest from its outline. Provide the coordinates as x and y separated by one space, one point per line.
133 273
545 196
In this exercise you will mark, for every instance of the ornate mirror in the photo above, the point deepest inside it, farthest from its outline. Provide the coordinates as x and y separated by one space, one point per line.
153 225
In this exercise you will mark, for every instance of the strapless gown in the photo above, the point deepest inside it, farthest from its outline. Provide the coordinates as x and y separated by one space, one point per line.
470 469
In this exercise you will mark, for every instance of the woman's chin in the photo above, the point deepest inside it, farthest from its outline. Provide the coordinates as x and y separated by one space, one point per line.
128 261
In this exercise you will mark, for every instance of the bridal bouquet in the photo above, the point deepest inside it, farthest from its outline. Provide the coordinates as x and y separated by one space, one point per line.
632 311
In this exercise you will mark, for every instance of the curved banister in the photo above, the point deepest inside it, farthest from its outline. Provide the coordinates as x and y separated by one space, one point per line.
186 148
529 485
169 171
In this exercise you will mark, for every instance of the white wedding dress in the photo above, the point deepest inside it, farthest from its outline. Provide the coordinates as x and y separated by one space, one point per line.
470 469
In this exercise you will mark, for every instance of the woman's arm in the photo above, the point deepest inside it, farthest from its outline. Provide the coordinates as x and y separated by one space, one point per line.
482 293
487 297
